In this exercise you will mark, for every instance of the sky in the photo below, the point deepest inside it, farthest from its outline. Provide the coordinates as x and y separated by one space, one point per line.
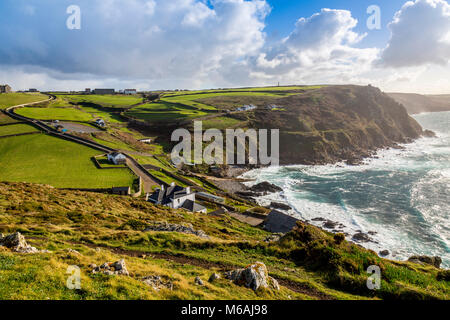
200 44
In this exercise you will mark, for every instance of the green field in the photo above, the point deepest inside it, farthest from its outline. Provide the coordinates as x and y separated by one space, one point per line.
6 119
13 99
115 101
258 89
221 123
107 116
64 114
193 100
186 105
62 164
171 114
16 129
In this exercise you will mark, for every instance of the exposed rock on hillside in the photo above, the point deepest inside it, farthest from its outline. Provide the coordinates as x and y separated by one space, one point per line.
17 243
253 277
156 283
168 227
433 261
109 268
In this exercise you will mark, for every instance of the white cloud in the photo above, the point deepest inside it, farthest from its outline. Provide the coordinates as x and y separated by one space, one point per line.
157 44
420 35
320 49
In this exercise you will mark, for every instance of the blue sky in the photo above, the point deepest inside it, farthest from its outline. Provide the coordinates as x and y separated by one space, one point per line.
286 12
160 44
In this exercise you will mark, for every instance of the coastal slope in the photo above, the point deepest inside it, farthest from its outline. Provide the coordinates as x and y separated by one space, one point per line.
417 103
336 123
175 254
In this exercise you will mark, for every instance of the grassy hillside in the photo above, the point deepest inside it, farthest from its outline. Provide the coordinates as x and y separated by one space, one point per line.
62 164
65 114
13 99
114 101
318 124
189 105
16 129
309 263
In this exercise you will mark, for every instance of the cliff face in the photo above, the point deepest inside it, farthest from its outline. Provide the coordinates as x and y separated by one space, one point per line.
417 103
337 123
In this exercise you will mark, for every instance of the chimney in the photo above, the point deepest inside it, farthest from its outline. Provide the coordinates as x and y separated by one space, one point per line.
172 184
162 187
188 190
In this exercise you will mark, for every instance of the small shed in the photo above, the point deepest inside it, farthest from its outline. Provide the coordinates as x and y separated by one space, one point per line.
117 158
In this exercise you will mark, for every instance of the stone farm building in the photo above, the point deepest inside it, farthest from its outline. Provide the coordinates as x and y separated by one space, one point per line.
5 88
117 158
104 91
176 197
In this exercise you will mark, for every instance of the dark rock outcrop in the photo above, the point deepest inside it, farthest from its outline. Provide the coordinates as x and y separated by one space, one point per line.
384 253
433 261
361 237
265 187
281 206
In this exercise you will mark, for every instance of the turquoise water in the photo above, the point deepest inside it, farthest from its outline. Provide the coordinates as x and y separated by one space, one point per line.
402 195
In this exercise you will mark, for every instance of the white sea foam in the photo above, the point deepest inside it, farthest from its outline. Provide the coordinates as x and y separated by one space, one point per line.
420 173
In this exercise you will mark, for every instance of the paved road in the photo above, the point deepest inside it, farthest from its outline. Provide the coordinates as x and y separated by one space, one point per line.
147 181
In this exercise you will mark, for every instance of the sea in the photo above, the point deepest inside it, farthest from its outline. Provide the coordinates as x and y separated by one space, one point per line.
400 196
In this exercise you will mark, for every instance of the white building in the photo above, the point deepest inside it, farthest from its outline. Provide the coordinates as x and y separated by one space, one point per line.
176 197
117 158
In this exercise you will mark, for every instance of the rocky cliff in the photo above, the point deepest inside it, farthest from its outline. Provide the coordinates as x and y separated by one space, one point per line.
337 123
417 103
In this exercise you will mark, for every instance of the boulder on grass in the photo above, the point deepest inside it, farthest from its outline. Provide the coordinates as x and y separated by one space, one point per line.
214 277
109 268
156 283
17 243
254 277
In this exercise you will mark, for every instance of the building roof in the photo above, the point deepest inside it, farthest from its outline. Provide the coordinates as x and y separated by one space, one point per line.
279 222
166 195
192 206
116 154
